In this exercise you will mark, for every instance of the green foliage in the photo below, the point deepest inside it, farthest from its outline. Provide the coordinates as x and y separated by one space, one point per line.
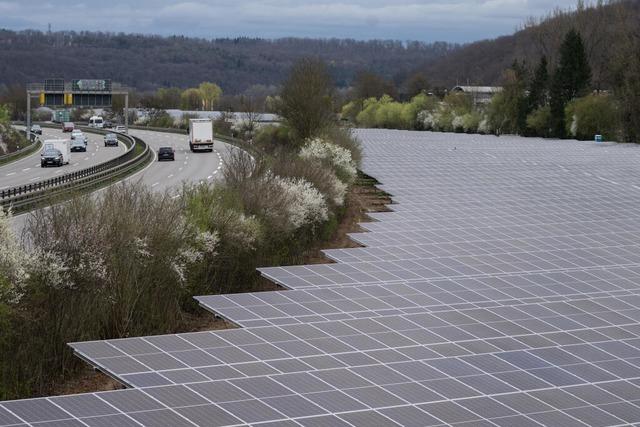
191 99
387 113
471 122
306 101
210 93
571 79
160 119
539 121
5 114
539 87
458 103
592 115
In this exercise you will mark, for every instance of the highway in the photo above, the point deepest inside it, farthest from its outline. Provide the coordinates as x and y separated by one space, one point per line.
162 176
28 170
187 167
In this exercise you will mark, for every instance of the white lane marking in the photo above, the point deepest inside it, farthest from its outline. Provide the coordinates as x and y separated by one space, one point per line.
170 176
180 169
176 196
209 177
157 183
86 158
35 179
59 172
185 162
11 173
76 164
26 169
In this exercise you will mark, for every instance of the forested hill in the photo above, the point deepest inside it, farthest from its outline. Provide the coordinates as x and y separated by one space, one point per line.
149 62
483 62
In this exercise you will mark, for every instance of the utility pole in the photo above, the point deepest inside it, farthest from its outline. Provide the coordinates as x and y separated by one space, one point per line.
28 130
126 112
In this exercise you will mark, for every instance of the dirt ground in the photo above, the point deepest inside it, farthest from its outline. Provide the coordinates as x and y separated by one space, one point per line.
363 197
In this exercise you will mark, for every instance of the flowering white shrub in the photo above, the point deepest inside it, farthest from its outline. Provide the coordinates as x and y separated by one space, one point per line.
306 205
573 129
457 123
340 158
13 262
483 127
51 268
428 119
339 191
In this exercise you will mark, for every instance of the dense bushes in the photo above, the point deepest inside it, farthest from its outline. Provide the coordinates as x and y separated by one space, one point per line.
591 115
10 139
92 268
129 261
387 113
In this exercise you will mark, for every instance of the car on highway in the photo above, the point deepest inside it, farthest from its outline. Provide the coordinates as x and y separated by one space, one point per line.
111 140
120 129
78 144
68 127
77 134
107 124
166 153
36 129
51 156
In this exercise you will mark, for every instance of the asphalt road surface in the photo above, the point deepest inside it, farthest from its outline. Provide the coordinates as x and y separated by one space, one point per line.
28 170
188 167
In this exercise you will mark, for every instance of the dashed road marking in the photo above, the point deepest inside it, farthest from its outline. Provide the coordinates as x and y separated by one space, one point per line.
170 176
157 183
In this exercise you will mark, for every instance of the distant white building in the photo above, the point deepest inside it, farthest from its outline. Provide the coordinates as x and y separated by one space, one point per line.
480 94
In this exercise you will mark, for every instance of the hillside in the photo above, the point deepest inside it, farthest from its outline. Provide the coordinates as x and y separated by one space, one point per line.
149 62
483 62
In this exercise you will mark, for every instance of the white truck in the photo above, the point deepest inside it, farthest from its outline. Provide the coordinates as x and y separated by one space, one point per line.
52 149
200 135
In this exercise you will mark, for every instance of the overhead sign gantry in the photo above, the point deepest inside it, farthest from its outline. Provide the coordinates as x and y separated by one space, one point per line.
77 93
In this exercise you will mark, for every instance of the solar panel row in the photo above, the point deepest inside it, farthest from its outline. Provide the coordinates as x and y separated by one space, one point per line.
501 291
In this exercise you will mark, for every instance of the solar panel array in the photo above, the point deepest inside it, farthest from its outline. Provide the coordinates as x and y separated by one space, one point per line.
502 290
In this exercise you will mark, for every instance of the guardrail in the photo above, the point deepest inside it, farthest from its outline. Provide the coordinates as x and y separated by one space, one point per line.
31 148
29 196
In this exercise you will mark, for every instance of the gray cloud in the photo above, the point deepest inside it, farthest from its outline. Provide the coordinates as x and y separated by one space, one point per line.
457 20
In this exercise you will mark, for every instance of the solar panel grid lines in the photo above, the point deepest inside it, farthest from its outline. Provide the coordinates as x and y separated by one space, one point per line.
501 289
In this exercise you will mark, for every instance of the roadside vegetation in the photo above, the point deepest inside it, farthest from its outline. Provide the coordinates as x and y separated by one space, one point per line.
129 262
571 95
10 139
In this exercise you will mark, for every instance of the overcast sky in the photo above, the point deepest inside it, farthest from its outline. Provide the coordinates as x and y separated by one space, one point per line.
428 20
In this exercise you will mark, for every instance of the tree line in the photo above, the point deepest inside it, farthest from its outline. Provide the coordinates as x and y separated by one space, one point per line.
558 95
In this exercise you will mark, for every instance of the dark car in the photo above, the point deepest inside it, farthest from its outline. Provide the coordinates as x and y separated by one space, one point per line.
36 129
78 144
68 127
110 140
166 153
107 124
51 156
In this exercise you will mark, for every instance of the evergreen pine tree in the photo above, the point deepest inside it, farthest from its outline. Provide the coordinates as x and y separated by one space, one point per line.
539 89
570 80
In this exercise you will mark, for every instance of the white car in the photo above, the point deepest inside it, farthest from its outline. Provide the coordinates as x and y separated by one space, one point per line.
120 129
77 134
